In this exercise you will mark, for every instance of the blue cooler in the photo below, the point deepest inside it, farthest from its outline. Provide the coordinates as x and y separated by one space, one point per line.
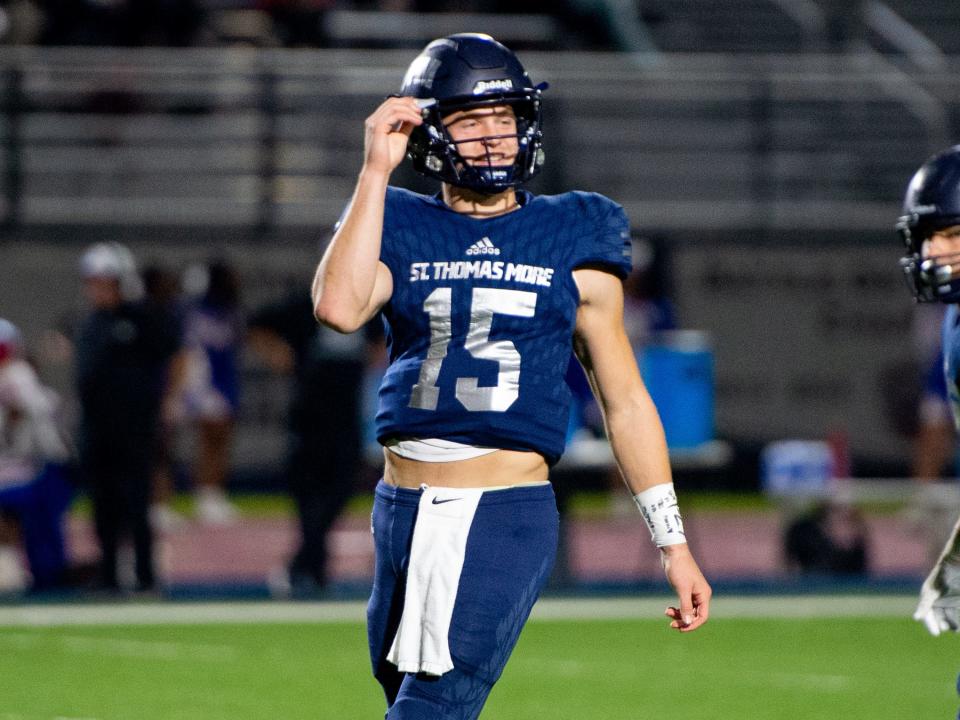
678 371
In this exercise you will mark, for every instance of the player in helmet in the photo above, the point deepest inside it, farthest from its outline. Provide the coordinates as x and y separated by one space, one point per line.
484 289
930 228
455 76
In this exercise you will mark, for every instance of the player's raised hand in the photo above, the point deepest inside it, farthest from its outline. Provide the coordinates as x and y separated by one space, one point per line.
693 590
387 131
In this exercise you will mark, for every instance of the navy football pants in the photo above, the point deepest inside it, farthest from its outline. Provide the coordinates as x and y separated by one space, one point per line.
510 552
40 507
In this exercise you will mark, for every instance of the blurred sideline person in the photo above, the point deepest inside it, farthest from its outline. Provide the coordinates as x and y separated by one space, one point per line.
325 430
35 490
123 350
213 335
203 392
828 539
484 289
161 288
930 228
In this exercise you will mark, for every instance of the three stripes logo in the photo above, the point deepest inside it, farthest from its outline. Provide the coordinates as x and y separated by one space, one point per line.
483 247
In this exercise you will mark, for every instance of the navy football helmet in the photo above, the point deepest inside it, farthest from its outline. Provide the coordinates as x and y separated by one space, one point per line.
466 71
932 203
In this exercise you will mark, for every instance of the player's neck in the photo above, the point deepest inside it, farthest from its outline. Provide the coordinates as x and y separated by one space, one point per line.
477 205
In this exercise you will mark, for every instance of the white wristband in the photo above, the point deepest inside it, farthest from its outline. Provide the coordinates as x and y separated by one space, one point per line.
658 505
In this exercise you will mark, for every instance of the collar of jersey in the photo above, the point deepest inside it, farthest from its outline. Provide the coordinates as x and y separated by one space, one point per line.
523 199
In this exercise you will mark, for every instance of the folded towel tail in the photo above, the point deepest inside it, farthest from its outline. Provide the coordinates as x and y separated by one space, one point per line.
437 552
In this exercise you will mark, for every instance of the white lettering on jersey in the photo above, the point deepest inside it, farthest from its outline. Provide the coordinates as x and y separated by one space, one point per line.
531 274
447 270
419 271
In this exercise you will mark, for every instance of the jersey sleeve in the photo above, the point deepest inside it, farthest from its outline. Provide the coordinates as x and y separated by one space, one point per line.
393 208
393 212
605 240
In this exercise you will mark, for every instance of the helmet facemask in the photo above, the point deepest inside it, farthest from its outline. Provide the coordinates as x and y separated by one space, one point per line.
435 153
930 279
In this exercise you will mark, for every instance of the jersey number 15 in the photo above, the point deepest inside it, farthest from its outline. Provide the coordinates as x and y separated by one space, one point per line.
485 303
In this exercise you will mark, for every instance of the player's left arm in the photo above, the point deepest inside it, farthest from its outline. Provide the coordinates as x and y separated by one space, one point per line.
633 425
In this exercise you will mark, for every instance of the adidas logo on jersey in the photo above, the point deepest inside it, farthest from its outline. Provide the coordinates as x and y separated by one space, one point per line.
483 247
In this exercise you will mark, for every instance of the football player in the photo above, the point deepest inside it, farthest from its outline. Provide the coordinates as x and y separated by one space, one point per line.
484 289
930 228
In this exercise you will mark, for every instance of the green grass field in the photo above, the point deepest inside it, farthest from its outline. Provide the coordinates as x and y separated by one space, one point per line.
766 667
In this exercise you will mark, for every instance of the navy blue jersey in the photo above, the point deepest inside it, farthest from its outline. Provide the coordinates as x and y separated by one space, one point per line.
480 323
951 358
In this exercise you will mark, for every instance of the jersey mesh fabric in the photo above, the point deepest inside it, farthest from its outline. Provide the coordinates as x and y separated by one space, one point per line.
447 270
951 358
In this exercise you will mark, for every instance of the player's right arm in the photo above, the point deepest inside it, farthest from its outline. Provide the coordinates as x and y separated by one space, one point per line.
351 284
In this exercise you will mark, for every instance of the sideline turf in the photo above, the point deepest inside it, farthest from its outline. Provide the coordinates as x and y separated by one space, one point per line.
736 669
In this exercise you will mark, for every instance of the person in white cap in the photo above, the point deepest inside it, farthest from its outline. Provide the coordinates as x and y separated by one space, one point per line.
123 351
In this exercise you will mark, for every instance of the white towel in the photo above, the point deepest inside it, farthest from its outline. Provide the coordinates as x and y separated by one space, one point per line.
439 544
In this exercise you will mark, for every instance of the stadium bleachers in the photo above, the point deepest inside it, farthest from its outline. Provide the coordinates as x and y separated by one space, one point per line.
734 26
935 19
260 141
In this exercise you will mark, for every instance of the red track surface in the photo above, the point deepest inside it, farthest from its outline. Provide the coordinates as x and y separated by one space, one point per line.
728 545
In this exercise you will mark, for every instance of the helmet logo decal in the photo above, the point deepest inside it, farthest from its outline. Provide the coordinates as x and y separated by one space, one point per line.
483 86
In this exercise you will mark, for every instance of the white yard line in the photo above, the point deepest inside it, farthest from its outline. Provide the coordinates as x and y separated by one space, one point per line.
799 606
120 647
176 613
